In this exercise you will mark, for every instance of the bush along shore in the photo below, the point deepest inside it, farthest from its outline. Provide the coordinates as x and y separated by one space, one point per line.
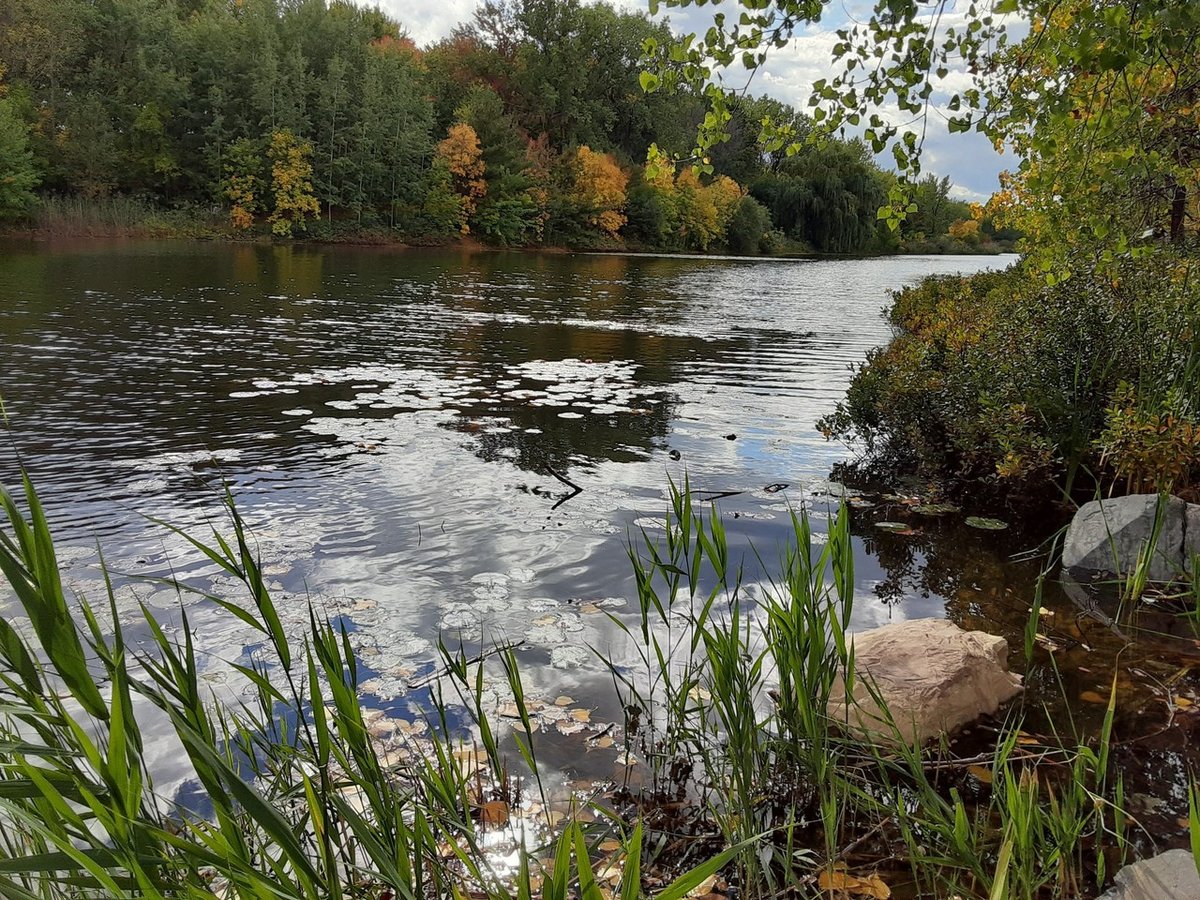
768 762
1026 388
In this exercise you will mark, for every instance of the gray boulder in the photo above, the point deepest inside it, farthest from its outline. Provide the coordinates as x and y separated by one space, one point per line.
1168 876
1191 535
932 676
1109 535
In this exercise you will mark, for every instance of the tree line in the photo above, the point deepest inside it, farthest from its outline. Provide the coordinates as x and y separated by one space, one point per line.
527 125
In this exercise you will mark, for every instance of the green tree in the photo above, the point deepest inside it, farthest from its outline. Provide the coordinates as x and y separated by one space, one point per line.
1099 100
749 229
18 176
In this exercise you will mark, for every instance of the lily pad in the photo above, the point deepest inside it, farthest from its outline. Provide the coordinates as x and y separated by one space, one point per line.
893 526
986 524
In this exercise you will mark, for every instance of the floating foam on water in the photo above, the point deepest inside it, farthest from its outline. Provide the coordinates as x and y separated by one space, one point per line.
569 657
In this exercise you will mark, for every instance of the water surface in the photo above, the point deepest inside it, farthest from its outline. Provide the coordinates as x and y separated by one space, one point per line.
400 429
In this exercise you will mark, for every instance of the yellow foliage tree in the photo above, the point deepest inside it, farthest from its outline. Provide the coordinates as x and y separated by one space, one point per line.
966 230
725 194
705 210
599 189
291 180
462 157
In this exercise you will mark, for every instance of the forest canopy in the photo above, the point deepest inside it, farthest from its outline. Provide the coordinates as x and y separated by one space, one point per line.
528 124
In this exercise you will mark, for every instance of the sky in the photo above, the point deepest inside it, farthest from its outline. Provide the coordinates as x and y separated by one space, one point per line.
969 159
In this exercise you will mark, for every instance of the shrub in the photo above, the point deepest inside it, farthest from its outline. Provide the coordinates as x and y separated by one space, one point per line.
1005 378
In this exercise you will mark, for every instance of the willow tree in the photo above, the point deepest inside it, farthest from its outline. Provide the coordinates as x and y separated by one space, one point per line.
1099 99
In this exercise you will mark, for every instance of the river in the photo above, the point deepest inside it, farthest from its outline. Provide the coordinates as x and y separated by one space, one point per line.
404 431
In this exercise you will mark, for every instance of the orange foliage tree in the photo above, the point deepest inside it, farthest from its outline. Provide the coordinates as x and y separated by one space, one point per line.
599 189
462 156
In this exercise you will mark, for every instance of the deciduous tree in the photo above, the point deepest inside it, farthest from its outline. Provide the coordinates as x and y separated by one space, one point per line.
291 183
599 189
462 158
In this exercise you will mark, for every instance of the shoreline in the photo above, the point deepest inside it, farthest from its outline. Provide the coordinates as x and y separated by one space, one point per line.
467 243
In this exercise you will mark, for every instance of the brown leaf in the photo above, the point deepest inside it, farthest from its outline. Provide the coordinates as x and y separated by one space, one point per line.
494 812
1092 697
981 773
839 880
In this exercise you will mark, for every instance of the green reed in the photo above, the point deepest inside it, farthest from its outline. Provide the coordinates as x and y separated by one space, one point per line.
302 804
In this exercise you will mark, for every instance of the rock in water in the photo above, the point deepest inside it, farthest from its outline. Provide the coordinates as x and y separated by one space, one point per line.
1168 876
1108 536
932 676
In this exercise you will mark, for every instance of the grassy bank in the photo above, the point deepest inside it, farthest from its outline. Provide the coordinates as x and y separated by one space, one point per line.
743 784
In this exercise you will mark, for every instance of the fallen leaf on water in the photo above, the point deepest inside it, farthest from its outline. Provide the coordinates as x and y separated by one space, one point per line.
581 715
610 845
985 523
699 693
838 880
510 711
1183 702
589 608
981 773
935 509
1092 697
605 742
569 727
563 701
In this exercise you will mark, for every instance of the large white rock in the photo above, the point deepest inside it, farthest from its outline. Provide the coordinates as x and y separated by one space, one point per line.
932 676
1168 876
1109 535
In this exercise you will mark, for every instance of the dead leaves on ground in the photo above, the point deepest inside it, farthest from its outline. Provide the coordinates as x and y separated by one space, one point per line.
838 879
